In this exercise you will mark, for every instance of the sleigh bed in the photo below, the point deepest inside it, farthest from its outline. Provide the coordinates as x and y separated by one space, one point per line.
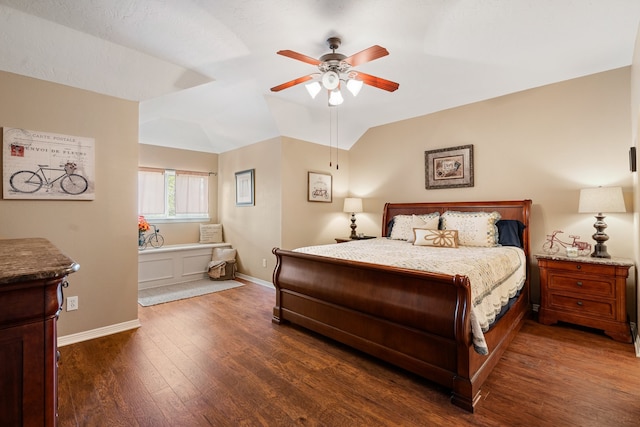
420 321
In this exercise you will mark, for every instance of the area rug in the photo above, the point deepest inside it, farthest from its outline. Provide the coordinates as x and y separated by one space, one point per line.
162 294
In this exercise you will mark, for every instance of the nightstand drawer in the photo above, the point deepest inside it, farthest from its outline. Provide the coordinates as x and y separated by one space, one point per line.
603 309
579 284
581 267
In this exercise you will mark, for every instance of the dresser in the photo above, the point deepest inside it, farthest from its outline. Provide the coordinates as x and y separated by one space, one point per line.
32 273
585 291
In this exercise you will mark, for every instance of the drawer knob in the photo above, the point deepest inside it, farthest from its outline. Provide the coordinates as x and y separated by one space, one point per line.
579 283
578 266
579 303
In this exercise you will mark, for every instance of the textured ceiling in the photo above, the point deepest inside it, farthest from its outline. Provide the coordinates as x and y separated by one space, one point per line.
202 69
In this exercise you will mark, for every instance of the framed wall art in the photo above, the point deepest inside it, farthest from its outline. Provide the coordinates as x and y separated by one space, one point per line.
320 187
449 167
47 166
245 188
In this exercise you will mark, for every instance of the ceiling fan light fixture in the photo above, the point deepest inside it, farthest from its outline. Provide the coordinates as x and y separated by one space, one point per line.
354 86
313 88
335 97
330 80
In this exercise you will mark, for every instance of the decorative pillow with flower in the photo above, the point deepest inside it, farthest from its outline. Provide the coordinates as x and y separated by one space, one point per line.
438 238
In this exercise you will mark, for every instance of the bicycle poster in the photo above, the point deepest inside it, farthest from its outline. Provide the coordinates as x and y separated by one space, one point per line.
48 166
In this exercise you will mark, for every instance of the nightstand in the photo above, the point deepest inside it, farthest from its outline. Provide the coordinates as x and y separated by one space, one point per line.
348 239
585 291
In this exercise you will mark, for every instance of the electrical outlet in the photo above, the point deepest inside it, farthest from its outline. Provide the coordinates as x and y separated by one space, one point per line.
264 262
72 303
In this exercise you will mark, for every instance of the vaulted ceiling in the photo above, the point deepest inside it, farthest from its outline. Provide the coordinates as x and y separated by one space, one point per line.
202 69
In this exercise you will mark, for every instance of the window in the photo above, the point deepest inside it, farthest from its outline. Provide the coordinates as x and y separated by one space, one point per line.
172 194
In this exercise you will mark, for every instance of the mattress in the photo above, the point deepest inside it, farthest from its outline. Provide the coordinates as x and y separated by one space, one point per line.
496 274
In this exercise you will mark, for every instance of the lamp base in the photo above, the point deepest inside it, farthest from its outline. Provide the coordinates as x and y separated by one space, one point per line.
353 234
600 249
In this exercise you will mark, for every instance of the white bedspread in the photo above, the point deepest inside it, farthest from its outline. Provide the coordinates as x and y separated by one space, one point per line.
496 274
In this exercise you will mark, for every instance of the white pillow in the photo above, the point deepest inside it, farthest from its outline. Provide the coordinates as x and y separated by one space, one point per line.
438 238
210 233
474 228
403 225
223 254
425 222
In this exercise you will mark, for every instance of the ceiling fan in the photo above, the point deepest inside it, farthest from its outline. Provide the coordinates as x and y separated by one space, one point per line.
336 67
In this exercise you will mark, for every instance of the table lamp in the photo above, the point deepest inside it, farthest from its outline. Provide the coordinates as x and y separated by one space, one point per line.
353 205
599 200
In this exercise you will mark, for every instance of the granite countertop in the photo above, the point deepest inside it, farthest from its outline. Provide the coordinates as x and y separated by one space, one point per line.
588 259
32 259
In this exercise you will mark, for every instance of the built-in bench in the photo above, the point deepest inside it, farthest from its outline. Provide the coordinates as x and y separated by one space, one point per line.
174 264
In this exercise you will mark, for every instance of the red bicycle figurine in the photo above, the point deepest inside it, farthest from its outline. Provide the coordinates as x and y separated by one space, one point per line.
552 245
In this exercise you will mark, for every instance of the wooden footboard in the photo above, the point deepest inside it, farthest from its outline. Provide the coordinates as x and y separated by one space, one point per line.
415 320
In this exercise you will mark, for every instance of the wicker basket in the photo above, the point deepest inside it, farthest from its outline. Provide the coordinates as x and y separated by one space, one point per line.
229 272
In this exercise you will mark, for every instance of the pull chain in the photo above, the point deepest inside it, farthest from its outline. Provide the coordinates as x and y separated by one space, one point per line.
337 141
330 136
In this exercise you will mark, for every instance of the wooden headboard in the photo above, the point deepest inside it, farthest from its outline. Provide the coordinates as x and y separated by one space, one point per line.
513 209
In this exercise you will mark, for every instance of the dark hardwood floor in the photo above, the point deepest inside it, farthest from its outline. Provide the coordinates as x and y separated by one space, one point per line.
217 360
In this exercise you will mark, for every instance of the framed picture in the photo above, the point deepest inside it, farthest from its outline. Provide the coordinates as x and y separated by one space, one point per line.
244 188
47 166
449 167
320 187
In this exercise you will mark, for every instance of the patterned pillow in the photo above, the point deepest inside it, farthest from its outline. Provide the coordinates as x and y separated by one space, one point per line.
403 225
439 238
474 228
210 233
430 221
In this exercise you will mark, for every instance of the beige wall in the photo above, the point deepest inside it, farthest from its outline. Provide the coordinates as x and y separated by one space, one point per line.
252 230
100 235
171 158
544 144
635 129
312 223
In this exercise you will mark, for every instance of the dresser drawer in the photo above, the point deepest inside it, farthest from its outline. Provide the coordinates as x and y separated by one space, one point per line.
603 309
582 285
582 267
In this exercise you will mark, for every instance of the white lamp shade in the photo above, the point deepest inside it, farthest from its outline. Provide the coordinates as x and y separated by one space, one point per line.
335 97
352 205
313 88
601 200
330 80
354 86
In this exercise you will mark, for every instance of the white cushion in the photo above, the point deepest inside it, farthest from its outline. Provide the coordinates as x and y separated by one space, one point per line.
429 222
403 225
210 233
474 228
223 254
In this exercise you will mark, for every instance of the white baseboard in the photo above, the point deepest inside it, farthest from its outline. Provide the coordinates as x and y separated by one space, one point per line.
256 281
97 333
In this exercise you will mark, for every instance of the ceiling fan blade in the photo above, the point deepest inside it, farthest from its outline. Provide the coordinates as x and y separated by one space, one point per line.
299 57
377 82
292 83
369 54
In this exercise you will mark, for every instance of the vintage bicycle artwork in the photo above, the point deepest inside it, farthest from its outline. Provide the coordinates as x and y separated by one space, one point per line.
553 244
42 165
30 181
